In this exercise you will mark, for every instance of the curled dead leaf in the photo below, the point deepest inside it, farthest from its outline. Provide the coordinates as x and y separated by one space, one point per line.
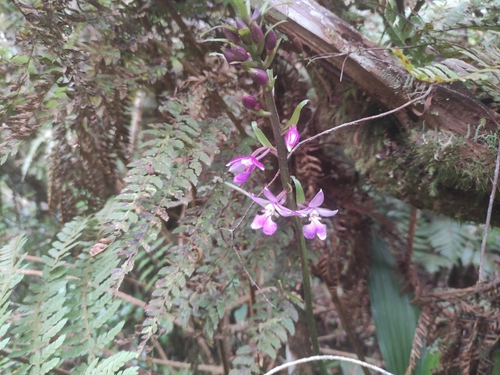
100 246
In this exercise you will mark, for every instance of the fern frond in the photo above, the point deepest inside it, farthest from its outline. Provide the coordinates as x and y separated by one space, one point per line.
43 313
9 278
453 69
161 180
91 305
110 365
268 330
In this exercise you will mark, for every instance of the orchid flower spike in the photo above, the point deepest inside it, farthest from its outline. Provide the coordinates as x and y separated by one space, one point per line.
315 227
273 206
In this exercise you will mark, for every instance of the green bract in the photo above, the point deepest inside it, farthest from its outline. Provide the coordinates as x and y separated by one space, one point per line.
260 136
299 192
296 114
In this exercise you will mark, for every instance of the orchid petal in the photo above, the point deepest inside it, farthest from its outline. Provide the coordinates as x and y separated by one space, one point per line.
302 213
270 196
259 221
321 231
309 231
232 161
317 200
263 202
283 211
265 222
237 167
241 178
257 163
324 212
269 227
315 228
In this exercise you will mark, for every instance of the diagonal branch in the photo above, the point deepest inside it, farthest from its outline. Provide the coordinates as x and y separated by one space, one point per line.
429 90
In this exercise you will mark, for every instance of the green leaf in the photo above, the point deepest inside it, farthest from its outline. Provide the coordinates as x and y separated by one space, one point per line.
260 136
432 363
20 59
395 318
47 366
296 114
296 300
299 192
266 347
241 8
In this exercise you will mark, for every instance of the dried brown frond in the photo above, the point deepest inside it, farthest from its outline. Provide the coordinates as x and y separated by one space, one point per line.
83 163
467 326
424 323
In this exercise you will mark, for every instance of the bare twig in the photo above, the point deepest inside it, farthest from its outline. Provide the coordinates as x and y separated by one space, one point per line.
363 50
160 350
329 351
488 216
328 358
429 90
226 352
132 300
246 298
248 273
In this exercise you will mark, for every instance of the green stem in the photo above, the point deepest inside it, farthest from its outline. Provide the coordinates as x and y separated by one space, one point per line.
286 182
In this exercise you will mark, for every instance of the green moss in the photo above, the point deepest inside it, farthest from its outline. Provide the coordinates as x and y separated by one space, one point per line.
431 169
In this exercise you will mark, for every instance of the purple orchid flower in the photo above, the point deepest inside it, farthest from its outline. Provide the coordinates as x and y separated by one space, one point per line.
315 227
291 137
273 206
242 166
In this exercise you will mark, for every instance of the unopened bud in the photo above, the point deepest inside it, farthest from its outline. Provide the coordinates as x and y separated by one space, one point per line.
271 40
255 16
291 137
260 77
250 102
230 35
257 34
240 24
243 31
235 54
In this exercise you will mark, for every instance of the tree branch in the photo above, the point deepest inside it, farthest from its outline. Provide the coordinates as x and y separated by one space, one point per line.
488 216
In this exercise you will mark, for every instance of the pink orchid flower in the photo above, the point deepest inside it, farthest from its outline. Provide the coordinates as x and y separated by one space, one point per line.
242 166
315 227
273 206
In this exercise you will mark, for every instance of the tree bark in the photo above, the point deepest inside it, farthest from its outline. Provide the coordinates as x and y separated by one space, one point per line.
444 158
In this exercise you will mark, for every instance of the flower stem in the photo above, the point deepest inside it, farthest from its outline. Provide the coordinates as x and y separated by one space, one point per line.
286 182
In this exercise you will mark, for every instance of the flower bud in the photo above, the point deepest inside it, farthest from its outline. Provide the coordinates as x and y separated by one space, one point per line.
291 137
240 24
255 16
235 54
257 34
260 77
250 102
271 40
243 31
230 35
